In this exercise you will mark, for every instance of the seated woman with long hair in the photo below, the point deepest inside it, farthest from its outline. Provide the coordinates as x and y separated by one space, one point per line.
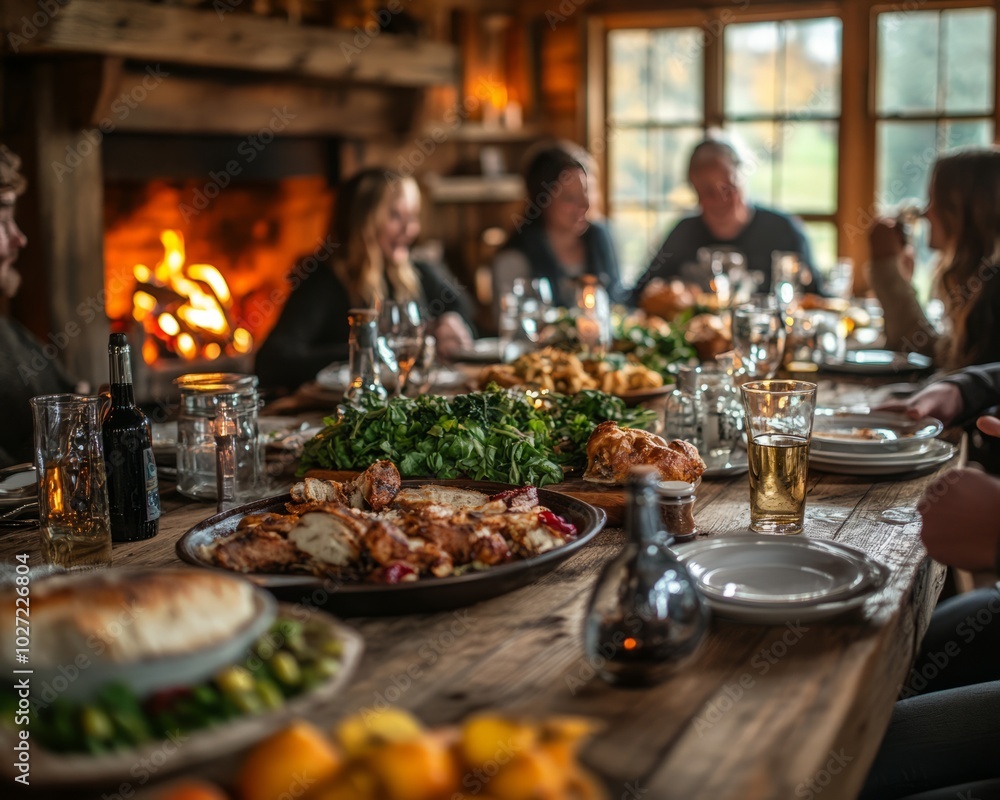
376 220
964 217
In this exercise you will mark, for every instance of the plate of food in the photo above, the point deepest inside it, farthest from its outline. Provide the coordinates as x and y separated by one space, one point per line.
18 485
127 663
379 545
553 370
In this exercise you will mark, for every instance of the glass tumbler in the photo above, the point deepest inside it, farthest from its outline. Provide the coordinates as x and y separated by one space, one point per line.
779 420
72 491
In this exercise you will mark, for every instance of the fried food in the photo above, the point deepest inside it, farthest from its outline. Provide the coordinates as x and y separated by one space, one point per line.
613 451
556 370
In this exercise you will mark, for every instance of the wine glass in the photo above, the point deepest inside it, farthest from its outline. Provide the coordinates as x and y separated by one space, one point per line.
759 339
402 329
787 279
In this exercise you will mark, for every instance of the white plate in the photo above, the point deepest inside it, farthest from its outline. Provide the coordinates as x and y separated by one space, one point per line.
775 570
794 614
335 377
18 485
928 451
877 362
868 468
839 430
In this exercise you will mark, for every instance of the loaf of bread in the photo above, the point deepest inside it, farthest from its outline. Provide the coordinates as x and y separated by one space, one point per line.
122 617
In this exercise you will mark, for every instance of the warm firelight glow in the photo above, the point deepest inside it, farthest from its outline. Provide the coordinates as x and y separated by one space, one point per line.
630 643
185 307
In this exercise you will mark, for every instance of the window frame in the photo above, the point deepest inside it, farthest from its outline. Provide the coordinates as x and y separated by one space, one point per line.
857 176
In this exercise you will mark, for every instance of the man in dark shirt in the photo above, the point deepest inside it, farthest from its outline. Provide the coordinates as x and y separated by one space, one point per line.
26 370
726 221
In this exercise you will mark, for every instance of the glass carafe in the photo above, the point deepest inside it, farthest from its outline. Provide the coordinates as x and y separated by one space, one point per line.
646 616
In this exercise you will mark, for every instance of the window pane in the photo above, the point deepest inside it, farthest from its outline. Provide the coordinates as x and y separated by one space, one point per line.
905 154
907 62
751 52
823 241
632 233
628 75
812 67
757 146
671 149
677 68
807 180
971 133
968 50
628 156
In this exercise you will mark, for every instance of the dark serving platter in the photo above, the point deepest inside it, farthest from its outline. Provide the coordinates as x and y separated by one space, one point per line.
422 596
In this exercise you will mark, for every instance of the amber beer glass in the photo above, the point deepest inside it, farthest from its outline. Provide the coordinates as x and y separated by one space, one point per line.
72 492
779 420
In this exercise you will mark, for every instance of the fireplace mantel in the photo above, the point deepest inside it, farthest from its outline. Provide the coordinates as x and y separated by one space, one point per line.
134 29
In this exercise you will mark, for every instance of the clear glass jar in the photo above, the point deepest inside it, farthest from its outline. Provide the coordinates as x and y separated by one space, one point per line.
201 395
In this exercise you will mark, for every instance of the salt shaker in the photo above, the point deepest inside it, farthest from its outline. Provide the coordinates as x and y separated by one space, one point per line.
677 510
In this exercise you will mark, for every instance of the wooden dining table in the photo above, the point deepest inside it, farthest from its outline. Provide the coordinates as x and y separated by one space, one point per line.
796 710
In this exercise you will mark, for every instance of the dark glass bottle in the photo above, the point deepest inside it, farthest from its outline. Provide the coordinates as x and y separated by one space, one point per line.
646 616
133 489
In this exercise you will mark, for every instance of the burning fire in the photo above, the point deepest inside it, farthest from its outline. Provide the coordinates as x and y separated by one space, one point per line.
185 310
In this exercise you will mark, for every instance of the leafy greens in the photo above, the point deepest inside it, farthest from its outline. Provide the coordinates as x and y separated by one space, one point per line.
493 435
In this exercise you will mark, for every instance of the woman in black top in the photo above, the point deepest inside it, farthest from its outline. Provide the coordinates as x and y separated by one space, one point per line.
376 221
553 238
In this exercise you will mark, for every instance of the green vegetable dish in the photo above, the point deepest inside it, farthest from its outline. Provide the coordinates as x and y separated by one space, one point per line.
493 435
292 658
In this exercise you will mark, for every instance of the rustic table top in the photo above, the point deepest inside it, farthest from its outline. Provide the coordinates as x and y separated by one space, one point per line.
762 712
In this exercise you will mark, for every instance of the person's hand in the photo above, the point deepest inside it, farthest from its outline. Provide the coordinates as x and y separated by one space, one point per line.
961 519
885 239
452 334
989 425
941 400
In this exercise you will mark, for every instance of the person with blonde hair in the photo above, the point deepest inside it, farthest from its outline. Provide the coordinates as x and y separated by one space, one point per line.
377 219
964 218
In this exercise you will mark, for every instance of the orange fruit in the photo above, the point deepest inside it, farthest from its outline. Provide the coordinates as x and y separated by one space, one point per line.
416 769
291 761
190 789
529 776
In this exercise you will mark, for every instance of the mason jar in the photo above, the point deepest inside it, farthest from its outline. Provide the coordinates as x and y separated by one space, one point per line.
201 395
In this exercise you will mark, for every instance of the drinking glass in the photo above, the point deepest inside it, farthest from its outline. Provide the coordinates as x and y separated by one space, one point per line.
402 328
779 420
72 492
786 277
840 282
759 338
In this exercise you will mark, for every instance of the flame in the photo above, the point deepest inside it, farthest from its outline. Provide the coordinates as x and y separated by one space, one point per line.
192 315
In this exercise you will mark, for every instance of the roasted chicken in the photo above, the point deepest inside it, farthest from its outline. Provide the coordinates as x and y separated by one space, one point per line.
613 451
371 529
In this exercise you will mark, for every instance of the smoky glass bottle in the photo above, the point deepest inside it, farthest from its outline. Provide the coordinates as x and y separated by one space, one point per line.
365 389
133 488
646 617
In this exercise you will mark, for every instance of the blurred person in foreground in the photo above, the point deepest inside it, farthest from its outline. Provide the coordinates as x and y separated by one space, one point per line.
555 238
944 735
26 370
376 221
726 219
964 218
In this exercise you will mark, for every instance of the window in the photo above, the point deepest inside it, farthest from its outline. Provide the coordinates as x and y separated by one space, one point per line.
780 90
656 115
774 78
947 102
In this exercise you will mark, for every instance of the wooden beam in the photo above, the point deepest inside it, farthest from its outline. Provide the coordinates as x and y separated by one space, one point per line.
194 104
208 38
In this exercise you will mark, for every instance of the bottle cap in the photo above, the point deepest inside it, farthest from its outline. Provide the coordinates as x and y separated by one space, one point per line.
117 341
675 488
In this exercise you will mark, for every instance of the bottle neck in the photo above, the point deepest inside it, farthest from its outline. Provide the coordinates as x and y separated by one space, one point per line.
122 393
642 513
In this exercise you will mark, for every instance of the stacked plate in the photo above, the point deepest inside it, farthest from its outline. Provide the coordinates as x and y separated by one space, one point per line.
775 579
875 443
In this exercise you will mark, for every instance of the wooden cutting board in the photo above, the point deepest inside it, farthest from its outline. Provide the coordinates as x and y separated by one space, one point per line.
610 498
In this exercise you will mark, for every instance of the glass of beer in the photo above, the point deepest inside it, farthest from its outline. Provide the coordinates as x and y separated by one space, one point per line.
72 495
779 420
